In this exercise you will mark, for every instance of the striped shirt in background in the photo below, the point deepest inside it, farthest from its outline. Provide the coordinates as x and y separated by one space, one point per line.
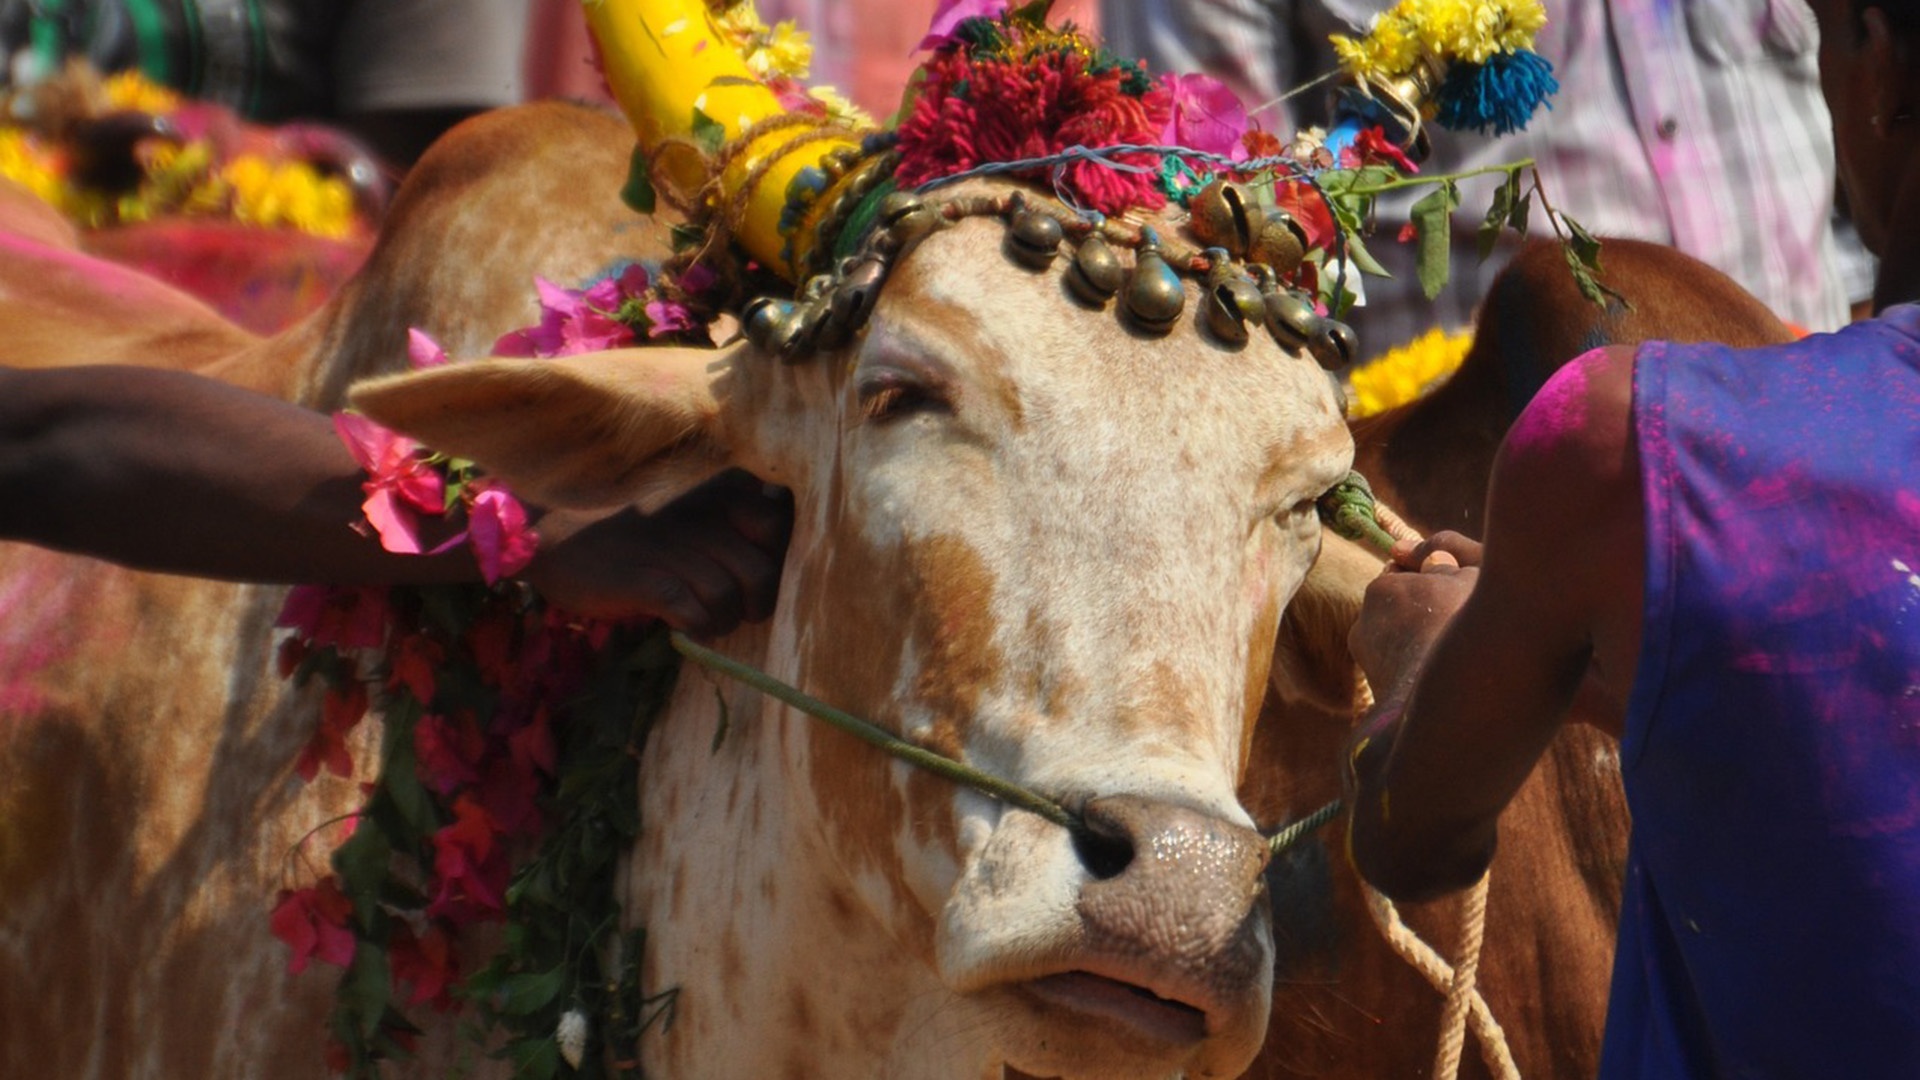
1693 123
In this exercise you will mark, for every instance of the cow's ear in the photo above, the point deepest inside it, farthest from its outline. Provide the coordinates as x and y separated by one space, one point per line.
589 431
1311 661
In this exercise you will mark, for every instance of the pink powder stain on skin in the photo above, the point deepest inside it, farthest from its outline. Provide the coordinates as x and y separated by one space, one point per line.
1559 409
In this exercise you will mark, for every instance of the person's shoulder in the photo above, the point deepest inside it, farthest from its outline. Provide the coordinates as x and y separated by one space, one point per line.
1579 423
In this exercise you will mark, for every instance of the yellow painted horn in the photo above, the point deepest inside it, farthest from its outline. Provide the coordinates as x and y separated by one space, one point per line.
666 58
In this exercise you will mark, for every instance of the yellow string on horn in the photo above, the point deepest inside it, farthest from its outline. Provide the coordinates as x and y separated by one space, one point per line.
666 58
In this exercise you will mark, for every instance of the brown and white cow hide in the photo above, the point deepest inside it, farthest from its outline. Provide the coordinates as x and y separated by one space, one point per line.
148 808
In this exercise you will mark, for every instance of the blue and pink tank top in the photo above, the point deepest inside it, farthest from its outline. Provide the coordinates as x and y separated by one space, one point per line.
1771 918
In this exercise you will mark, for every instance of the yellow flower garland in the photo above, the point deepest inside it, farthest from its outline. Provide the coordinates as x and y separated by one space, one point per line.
1405 373
1470 30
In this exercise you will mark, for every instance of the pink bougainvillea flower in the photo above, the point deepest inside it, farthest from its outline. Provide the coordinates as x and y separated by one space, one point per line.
423 351
669 317
447 751
503 541
950 14
341 616
340 712
1207 116
577 320
400 484
469 869
313 923
415 658
425 963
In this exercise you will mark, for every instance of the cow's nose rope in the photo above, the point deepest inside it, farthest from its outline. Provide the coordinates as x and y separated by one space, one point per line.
960 773
1350 509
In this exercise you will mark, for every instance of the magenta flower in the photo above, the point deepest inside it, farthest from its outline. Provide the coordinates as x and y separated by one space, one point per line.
577 320
399 482
313 923
950 14
341 616
669 317
1206 116
422 351
503 541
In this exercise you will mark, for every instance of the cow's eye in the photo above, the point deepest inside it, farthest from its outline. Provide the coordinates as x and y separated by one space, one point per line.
891 395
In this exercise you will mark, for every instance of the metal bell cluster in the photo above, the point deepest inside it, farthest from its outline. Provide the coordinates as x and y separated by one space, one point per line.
1296 325
1248 252
831 308
1223 216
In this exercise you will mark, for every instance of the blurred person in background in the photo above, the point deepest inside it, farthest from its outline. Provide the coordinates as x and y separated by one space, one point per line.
395 73
1693 123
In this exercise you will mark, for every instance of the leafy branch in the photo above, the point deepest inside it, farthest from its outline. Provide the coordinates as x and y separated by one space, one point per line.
1352 193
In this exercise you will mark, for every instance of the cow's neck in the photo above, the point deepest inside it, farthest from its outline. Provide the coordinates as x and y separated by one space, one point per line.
781 969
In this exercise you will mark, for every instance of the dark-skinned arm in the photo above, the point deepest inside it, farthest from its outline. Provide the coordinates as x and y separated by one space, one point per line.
172 472
1475 654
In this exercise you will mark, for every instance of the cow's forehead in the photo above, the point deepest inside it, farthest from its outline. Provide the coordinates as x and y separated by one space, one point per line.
1013 344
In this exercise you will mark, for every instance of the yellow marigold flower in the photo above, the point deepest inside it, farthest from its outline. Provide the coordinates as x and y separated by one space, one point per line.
289 194
839 107
740 22
786 50
132 90
25 162
1405 373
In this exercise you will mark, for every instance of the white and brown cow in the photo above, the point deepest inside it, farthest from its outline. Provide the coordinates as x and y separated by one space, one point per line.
1026 536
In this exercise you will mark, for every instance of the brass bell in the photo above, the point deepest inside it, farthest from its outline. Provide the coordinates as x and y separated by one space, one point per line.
1279 242
1155 294
1291 318
1033 238
767 321
1333 344
1230 296
1096 273
905 220
852 302
1220 217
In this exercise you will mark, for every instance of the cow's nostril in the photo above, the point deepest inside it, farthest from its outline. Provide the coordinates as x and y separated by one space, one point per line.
1105 854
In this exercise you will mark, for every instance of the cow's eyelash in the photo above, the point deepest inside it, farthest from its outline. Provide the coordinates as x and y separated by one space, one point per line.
887 399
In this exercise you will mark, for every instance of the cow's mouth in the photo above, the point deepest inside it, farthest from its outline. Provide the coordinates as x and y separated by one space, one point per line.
1129 1005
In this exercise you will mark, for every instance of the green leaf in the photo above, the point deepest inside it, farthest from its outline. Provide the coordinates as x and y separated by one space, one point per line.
1583 245
535 1058
708 134
1498 215
1432 221
361 863
400 774
1517 221
1583 277
1363 259
523 994
367 987
638 192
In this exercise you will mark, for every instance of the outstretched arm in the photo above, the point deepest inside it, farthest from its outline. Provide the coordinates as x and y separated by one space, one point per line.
1475 664
169 471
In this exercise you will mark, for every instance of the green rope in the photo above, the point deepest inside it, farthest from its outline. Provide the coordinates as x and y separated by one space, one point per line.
1009 793
1348 509
1286 838
992 786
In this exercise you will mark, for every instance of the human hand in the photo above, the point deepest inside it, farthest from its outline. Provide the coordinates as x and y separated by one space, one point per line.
703 563
1407 606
